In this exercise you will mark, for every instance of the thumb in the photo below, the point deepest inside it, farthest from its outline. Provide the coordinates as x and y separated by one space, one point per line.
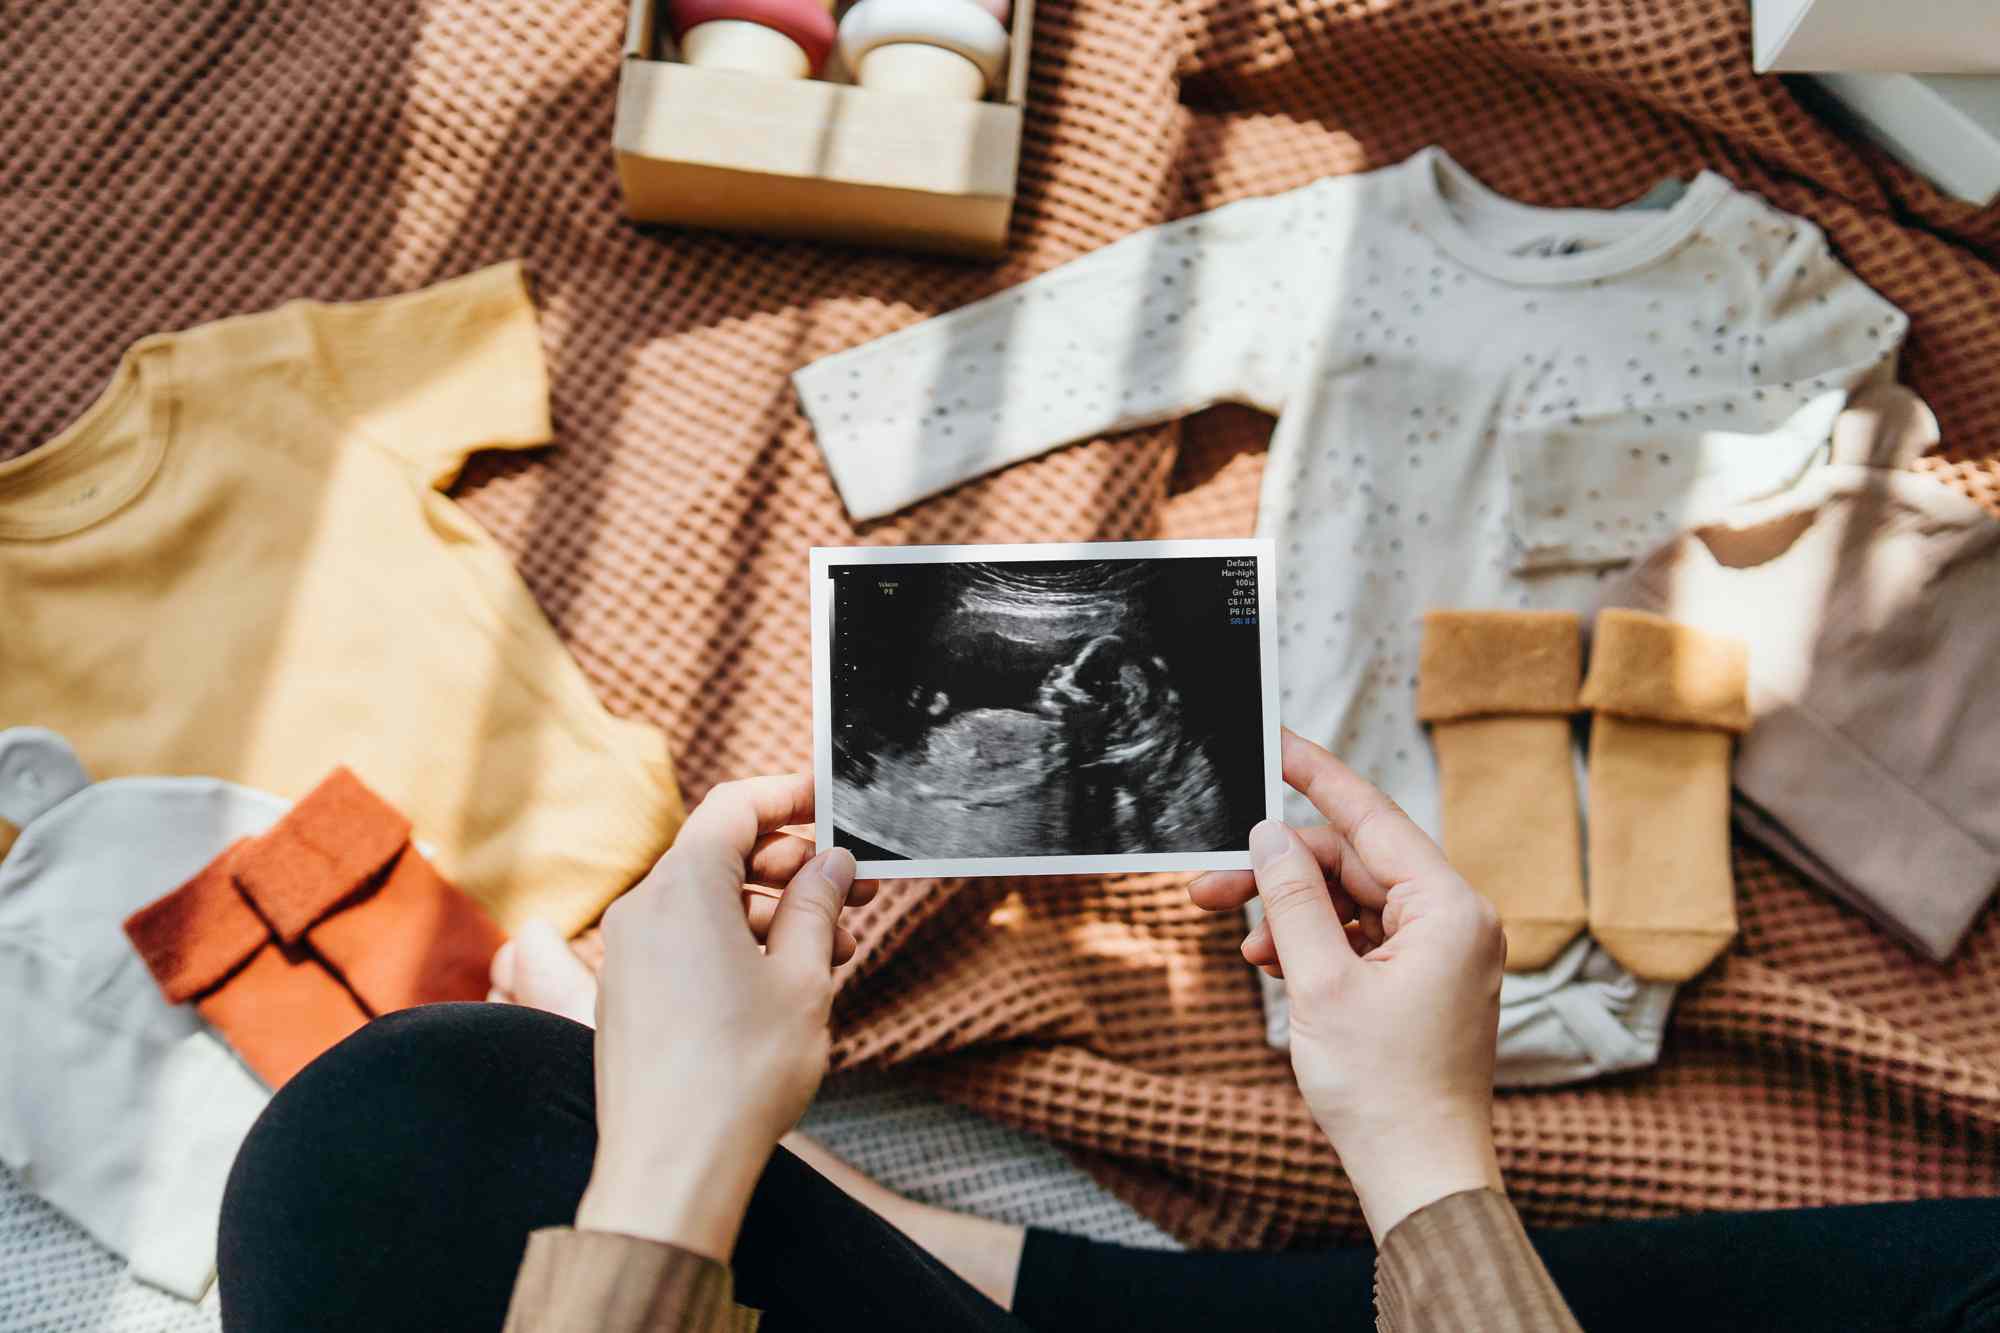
1312 945
802 927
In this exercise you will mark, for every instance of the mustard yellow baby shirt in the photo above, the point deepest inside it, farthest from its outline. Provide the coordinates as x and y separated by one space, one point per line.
239 563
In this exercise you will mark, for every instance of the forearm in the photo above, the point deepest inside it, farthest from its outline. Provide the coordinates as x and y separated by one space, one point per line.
688 1194
1448 1240
651 1246
1401 1166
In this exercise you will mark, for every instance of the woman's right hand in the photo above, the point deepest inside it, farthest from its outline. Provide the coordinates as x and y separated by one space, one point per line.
1393 1027
712 1015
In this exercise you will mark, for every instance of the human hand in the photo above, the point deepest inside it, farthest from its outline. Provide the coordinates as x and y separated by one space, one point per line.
708 1046
1394 1020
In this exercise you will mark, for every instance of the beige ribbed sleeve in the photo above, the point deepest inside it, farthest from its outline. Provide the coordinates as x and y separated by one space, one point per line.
603 1282
1464 1262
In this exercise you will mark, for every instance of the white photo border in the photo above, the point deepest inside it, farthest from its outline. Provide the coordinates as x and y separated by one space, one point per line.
825 558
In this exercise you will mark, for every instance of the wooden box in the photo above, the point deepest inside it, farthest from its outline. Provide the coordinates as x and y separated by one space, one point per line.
815 157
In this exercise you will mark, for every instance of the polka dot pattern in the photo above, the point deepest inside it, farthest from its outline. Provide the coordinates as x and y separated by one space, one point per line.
1655 366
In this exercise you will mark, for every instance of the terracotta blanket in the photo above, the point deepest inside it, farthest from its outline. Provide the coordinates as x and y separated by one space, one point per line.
173 162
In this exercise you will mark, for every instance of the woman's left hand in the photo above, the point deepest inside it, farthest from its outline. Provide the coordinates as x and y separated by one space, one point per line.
709 1047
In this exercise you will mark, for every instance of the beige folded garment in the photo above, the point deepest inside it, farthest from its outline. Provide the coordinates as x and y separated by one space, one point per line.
1870 597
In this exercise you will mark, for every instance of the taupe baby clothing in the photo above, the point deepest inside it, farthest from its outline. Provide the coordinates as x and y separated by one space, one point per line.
1870 597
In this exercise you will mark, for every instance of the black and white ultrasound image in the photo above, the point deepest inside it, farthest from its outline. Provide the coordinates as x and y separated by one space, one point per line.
1046 708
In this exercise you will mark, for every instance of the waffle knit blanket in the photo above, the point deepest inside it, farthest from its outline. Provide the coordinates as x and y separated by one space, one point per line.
178 161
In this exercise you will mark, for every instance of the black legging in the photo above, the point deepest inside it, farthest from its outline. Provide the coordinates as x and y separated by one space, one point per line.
393 1183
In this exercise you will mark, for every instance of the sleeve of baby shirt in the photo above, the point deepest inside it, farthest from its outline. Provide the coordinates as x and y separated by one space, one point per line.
436 374
1163 322
1604 487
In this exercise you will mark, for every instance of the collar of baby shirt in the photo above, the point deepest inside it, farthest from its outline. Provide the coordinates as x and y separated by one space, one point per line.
1525 245
101 463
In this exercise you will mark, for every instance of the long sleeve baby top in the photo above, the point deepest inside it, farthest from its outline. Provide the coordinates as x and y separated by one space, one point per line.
1479 403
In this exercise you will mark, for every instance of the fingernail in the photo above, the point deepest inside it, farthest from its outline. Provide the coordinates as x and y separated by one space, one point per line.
1268 841
838 866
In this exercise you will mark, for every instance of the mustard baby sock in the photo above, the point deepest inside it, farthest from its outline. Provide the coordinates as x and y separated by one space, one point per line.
1498 688
1669 702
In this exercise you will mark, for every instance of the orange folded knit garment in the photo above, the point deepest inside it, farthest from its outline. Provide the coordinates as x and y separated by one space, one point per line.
288 942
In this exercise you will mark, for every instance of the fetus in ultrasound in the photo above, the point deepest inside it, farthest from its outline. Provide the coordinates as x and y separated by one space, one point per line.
1023 709
1133 777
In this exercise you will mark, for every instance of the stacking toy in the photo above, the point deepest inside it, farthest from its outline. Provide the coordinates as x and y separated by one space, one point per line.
952 49
785 39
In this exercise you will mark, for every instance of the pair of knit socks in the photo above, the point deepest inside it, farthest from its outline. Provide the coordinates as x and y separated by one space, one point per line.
1498 689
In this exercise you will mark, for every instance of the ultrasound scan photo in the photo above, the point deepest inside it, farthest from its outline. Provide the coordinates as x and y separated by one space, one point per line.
1046 708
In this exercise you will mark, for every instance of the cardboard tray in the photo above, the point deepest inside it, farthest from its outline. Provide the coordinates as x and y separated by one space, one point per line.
1925 37
1945 125
811 157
